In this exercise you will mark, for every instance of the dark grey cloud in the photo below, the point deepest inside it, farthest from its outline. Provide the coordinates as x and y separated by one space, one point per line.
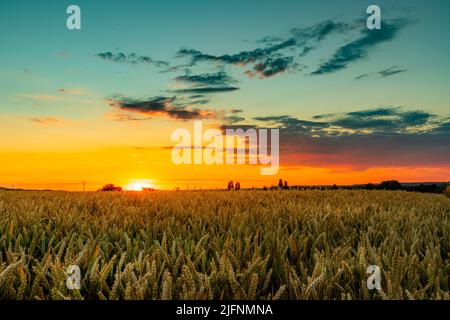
177 108
415 118
360 77
270 40
387 136
359 49
233 119
272 66
443 127
205 90
276 55
310 37
384 120
391 71
273 58
243 57
379 112
292 124
212 79
161 106
323 116
182 67
131 58
383 73
201 85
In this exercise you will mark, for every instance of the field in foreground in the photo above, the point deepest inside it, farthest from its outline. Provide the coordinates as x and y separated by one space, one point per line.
224 245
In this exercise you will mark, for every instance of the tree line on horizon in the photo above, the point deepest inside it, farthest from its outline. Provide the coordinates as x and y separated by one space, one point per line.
391 185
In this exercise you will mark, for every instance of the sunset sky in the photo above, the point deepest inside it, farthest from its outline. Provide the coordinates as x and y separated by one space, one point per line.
99 104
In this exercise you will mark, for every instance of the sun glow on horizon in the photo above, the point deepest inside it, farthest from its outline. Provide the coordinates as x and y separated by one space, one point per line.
139 185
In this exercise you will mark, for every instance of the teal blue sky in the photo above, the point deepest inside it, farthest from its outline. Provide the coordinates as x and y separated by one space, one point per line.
35 38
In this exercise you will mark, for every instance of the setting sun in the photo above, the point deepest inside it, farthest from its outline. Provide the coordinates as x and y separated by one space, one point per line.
139 185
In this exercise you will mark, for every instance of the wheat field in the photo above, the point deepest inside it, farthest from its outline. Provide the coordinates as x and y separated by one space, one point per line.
224 245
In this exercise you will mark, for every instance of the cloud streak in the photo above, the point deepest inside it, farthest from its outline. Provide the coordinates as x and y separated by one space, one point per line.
171 107
380 121
388 72
391 71
46 121
359 49
206 90
276 55
272 59
212 79
131 58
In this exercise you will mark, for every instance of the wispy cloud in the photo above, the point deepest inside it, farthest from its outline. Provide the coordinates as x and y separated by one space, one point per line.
46 121
391 71
362 76
272 67
176 108
383 120
204 84
281 54
131 58
388 72
212 79
272 59
276 55
206 90
162 106
359 49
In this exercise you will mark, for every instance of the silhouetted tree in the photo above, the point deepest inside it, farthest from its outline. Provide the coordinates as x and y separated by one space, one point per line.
391 185
230 185
447 191
370 186
237 186
280 184
110 187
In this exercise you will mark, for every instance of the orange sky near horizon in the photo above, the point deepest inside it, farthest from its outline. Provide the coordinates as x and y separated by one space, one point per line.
61 156
124 166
